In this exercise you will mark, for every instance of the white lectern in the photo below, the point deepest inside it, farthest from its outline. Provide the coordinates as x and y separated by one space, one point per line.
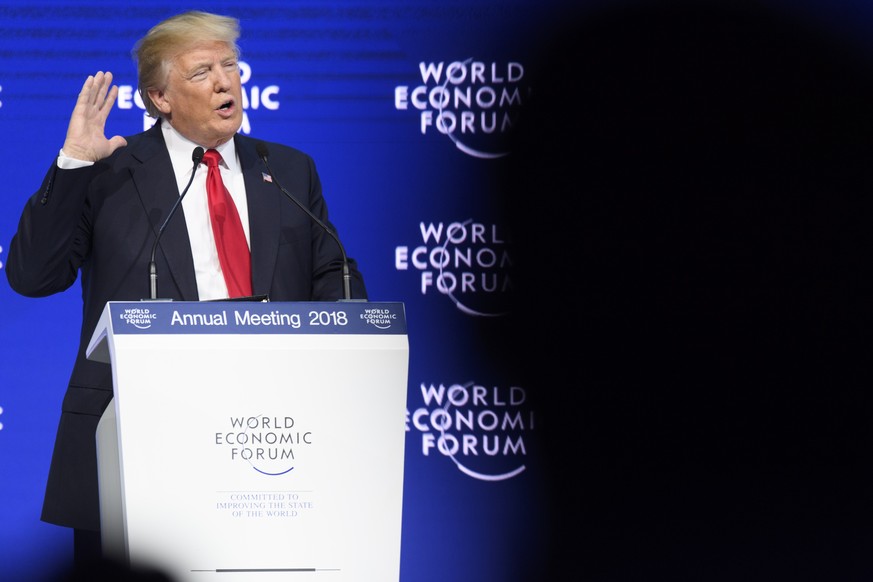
254 441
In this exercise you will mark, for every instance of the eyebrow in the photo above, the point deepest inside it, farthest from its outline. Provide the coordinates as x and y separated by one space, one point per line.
205 64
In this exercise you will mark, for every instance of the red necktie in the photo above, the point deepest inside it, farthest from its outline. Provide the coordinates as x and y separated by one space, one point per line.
230 239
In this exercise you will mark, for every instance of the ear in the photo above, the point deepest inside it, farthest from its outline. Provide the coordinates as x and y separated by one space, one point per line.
160 101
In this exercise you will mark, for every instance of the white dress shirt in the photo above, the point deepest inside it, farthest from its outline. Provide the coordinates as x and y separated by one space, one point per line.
210 281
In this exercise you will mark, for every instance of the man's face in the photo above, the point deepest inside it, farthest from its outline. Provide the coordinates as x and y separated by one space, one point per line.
203 96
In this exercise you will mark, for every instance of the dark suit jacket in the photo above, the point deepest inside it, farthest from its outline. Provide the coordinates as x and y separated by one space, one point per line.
102 221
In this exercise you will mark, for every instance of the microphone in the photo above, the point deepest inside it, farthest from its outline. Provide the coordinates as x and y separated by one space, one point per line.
196 157
261 147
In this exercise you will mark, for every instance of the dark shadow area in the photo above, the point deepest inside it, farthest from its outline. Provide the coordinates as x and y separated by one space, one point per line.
691 204
109 570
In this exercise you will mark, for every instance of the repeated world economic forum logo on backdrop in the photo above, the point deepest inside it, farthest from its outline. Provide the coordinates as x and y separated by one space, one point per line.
475 105
483 429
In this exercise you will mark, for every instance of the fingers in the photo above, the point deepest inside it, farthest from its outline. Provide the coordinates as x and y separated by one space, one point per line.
104 88
86 139
98 91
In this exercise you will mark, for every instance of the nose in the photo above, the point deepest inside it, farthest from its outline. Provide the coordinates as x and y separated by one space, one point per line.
222 79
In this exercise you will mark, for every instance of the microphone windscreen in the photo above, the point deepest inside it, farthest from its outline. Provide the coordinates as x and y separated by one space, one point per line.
261 147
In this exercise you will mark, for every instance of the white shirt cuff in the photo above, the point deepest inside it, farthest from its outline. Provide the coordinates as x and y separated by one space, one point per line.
67 163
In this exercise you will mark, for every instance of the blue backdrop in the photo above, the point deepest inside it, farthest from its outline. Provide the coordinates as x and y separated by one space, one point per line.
406 107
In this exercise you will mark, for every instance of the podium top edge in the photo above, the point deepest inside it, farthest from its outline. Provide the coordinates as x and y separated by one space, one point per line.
243 317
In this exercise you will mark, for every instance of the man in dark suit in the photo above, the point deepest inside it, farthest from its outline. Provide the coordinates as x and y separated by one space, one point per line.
104 200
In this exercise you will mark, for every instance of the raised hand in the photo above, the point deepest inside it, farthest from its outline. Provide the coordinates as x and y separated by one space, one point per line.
86 134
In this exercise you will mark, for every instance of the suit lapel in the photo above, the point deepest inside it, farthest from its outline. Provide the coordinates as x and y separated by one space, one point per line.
263 203
156 183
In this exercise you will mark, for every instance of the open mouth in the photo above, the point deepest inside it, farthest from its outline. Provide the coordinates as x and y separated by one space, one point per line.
226 105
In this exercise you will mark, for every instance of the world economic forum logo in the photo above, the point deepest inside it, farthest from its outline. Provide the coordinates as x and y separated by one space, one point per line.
268 444
380 318
138 317
472 103
468 262
483 430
